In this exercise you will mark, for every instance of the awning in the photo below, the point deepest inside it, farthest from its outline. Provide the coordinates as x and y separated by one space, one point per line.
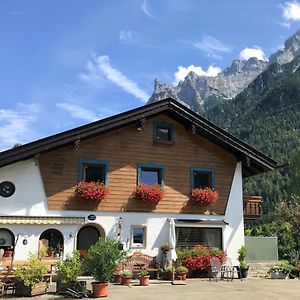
200 221
42 220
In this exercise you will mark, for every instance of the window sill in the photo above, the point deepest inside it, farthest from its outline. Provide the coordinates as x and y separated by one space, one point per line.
163 142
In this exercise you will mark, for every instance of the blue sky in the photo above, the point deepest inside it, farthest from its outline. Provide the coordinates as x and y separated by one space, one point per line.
64 63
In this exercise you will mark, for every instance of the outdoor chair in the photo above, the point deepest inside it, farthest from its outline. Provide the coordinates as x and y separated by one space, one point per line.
228 268
215 268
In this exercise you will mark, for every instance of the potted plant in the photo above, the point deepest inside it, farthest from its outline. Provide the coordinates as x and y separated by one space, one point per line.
148 193
165 247
51 252
68 270
204 197
9 252
117 276
144 278
91 191
181 272
30 278
103 260
126 277
167 274
282 271
244 266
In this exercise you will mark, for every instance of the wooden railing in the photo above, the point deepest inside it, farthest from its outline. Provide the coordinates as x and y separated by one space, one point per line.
252 207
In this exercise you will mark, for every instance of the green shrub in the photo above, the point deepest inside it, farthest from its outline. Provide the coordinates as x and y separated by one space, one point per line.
70 268
104 258
31 273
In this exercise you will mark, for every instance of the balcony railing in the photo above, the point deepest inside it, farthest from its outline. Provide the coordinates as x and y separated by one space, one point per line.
252 207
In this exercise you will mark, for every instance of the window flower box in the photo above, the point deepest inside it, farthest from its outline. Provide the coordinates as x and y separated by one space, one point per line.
205 196
91 191
151 194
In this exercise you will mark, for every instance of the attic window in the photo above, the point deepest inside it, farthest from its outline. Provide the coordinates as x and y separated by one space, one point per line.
163 133
58 167
202 178
94 170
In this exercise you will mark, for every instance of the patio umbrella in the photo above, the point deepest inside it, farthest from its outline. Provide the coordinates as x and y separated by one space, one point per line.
172 241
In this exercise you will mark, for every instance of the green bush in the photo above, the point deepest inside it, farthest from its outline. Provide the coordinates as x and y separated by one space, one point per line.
104 258
70 268
31 273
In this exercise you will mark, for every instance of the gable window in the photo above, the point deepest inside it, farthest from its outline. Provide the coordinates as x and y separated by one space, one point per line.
138 236
163 132
94 170
150 174
202 178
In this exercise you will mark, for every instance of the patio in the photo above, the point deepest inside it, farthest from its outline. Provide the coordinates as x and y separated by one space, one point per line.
202 289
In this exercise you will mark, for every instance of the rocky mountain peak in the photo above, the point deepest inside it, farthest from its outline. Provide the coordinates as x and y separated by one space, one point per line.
203 92
290 50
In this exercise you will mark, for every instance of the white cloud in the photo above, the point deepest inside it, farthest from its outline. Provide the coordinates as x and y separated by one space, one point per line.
291 11
183 71
100 66
256 51
146 9
212 46
126 36
78 112
16 125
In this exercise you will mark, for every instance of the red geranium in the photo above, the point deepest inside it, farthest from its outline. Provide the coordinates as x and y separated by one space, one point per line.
205 196
95 191
149 193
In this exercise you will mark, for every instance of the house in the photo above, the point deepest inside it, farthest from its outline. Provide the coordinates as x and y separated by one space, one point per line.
161 143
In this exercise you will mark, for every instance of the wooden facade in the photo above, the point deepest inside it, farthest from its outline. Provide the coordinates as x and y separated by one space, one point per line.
124 148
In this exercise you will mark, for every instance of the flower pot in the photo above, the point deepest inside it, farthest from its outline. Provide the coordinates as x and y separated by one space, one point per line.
182 276
244 273
278 275
126 280
29 291
117 278
61 287
100 289
144 281
8 253
51 253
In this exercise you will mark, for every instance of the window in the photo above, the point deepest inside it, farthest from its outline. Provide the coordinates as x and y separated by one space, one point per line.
150 174
94 170
51 239
202 178
7 189
138 236
163 132
191 236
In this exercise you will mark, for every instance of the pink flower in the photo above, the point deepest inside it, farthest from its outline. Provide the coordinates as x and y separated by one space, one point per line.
205 196
95 191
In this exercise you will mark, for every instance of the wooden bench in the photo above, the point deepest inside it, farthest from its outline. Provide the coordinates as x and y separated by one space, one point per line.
139 261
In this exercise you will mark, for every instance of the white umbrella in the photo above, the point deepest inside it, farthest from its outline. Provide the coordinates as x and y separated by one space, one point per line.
172 241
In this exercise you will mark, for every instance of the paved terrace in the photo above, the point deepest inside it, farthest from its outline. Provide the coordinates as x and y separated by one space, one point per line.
202 289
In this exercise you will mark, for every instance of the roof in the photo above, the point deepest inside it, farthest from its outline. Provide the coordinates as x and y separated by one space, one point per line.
253 161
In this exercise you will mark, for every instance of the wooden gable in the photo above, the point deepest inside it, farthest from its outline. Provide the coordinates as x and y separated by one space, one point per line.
125 148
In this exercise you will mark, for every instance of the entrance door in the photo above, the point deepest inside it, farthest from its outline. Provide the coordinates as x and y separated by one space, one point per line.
87 236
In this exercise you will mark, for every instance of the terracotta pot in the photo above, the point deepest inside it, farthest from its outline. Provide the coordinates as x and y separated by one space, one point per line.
126 280
8 253
51 253
144 281
100 289
117 278
182 276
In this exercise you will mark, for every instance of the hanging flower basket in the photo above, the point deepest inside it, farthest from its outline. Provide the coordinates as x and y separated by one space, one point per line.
91 191
205 196
149 193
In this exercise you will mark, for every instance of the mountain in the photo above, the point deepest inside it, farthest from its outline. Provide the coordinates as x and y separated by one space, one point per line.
267 115
202 92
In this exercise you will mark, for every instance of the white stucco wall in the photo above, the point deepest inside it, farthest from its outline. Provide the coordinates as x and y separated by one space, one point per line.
30 200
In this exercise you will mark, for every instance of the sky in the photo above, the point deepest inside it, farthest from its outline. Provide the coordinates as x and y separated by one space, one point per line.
65 63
